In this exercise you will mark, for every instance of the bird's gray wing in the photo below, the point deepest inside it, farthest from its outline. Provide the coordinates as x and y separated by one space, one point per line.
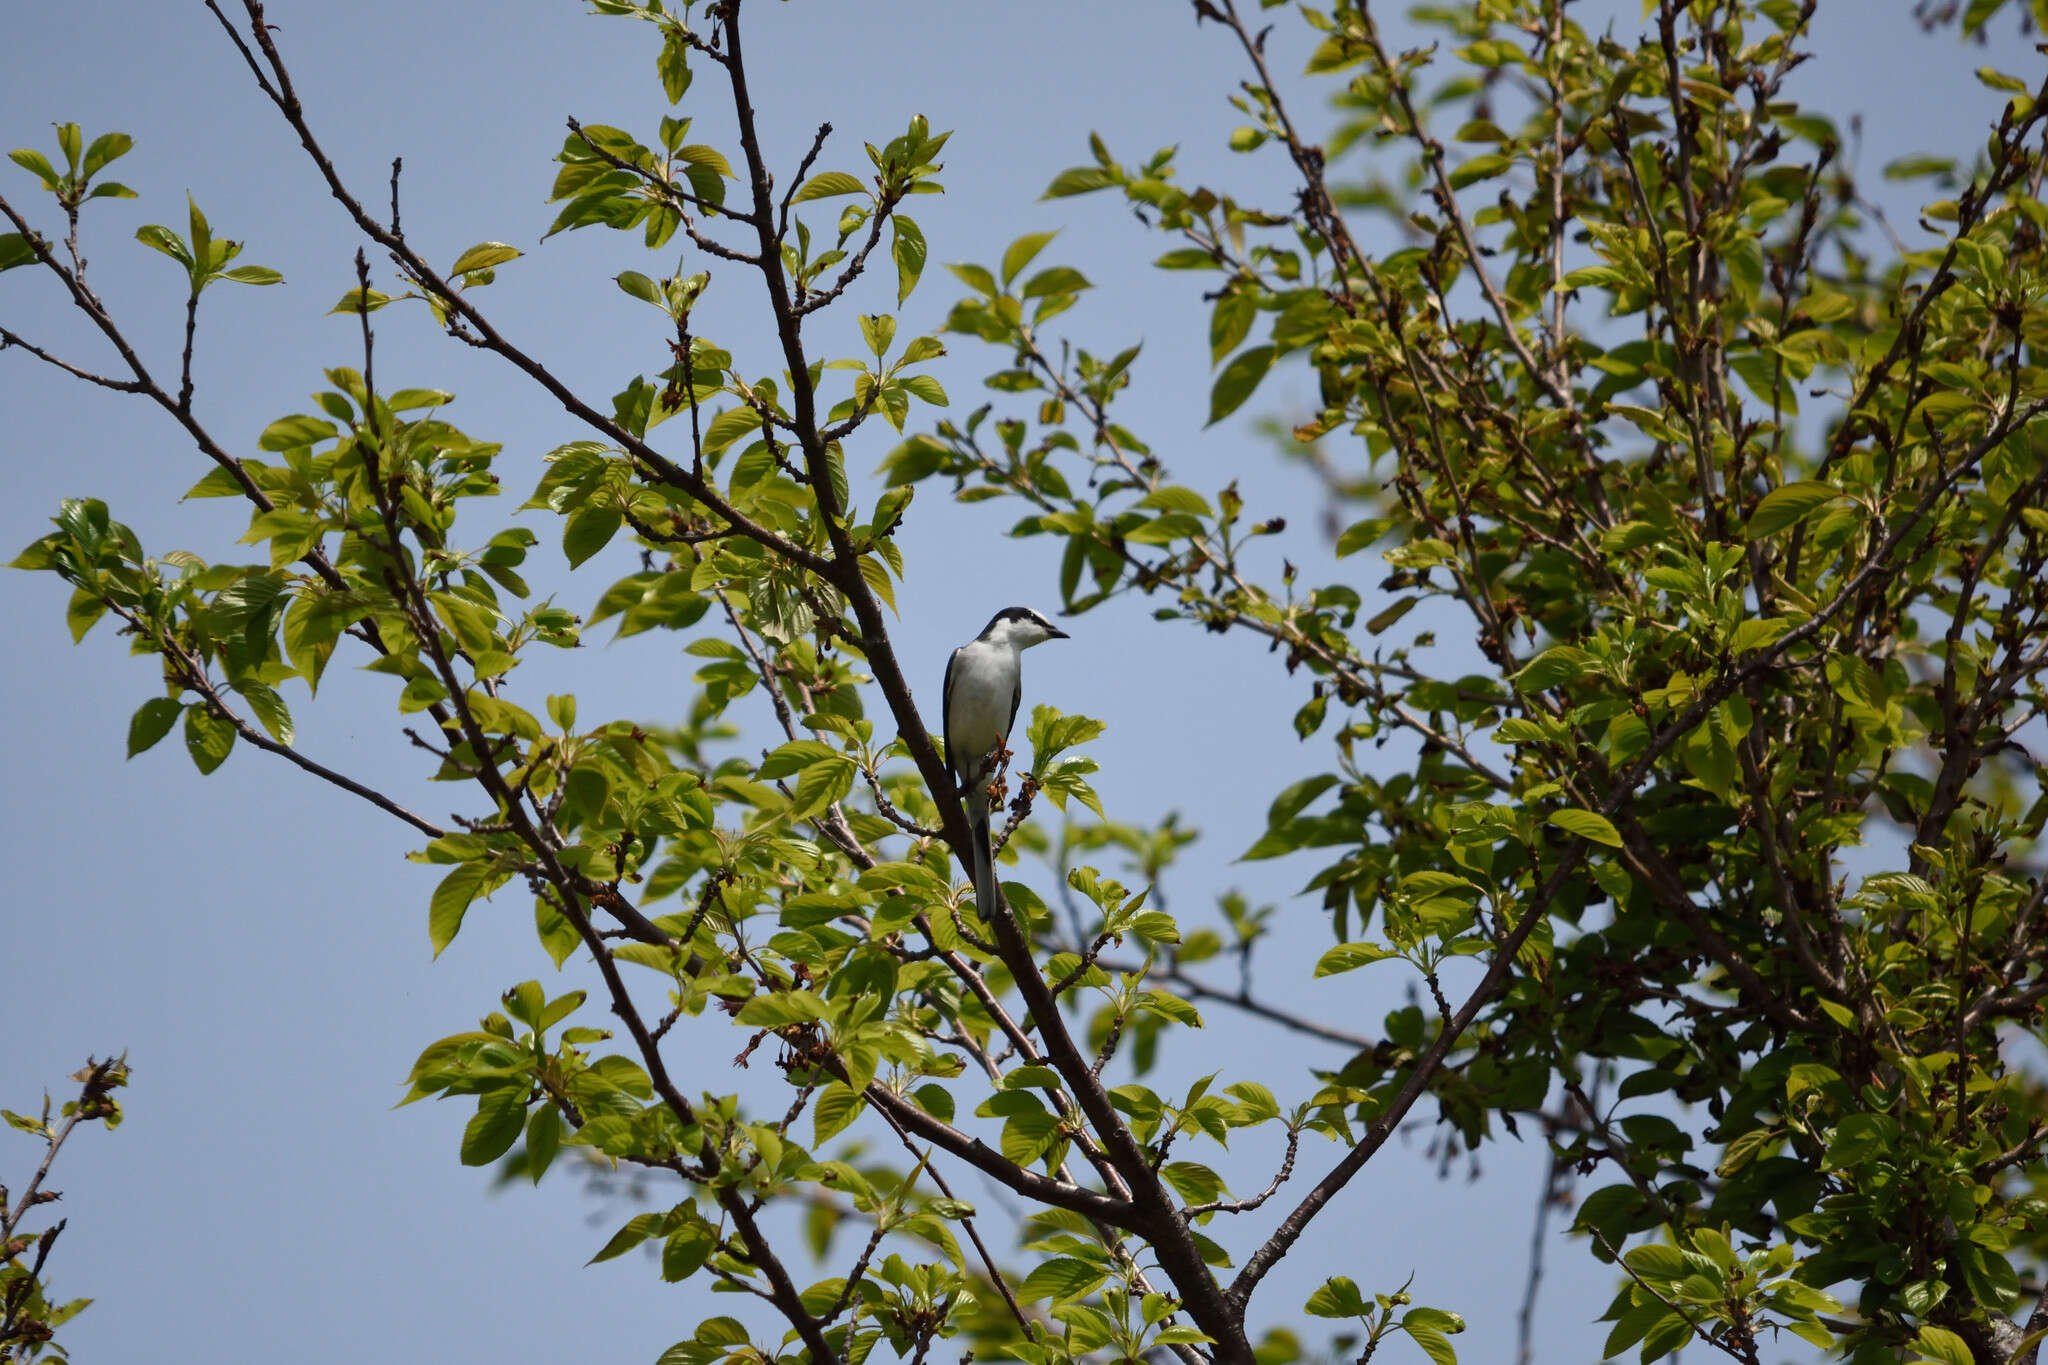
946 719
1016 696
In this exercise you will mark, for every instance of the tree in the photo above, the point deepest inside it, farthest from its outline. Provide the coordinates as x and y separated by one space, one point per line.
1715 859
28 1319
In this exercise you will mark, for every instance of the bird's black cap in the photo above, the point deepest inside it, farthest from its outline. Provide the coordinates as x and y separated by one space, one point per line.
1037 618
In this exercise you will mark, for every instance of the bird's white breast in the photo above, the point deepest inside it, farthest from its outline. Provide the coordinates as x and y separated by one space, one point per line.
984 686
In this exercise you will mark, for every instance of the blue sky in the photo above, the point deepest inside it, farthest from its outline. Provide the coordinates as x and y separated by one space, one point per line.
257 942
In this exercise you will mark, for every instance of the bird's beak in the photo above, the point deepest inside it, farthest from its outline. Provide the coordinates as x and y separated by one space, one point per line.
1057 633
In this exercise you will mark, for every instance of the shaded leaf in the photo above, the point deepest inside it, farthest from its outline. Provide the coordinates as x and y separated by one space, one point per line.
208 738
1239 378
150 723
1789 505
500 1115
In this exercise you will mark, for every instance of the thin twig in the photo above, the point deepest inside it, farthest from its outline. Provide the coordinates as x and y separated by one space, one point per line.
1194 1211
21 343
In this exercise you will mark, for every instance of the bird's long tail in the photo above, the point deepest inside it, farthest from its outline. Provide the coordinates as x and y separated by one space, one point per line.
984 864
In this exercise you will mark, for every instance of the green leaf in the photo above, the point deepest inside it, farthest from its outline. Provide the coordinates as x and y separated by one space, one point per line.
837 1106
253 274
828 184
1062 1279
294 432
1031 1078
1347 956
150 723
821 785
557 936
245 599
878 330
218 482
1435 1319
1158 926
976 278
483 256
201 235
1630 1327
794 757
360 300
1756 634
1079 180
15 250
1920 1297
637 1230
406 399
1480 168
561 1007
270 709
1174 498
909 249
24 1123
641 287
1027 1135
588 530
1609 1210
728 427
1657 1262
164 240
451 902
673 66
1858 1138
1789 505
1554 666
1020 253
1258 1102
1230 322
1587 825
774 1009
1187 258
1239 378
1943 1345
500 1115
1671 1331
1919 165
1059 279
1432 1341
36 164
686 1250
208 738
105 148
1338 1298
1383 620
543 1140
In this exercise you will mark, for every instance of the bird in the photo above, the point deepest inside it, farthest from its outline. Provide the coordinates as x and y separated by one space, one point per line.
984 684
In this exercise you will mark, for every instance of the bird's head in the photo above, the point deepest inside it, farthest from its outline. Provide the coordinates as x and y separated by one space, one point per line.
1021 628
